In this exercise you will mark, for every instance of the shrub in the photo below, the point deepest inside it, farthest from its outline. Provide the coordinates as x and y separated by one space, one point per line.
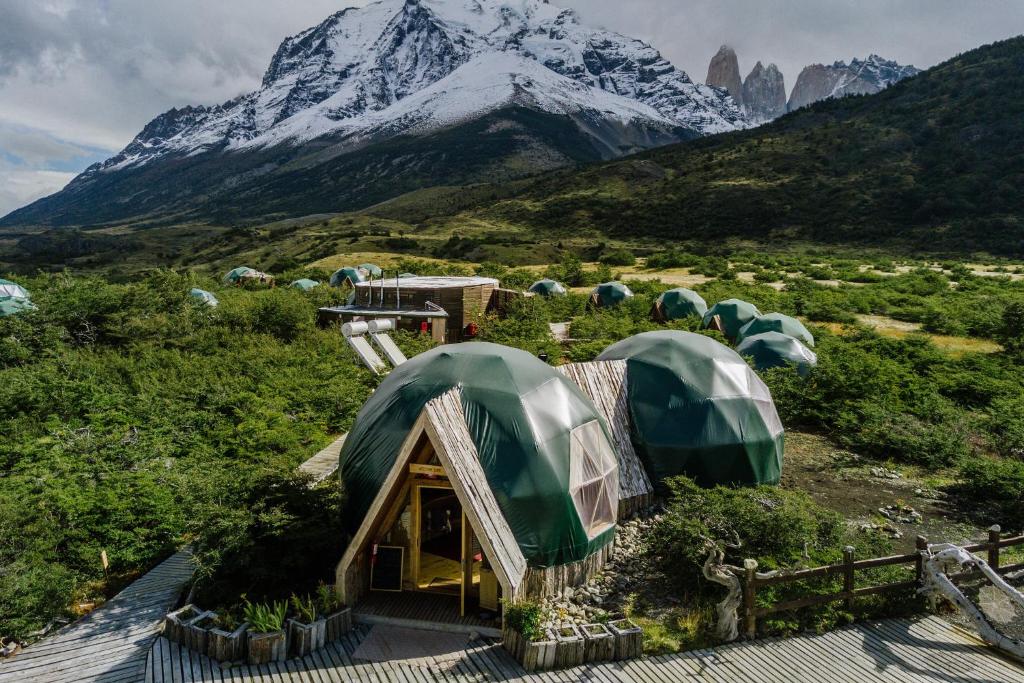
618 257
997 480
524 617
264 618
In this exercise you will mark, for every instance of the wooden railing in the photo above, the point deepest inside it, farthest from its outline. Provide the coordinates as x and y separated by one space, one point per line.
753 581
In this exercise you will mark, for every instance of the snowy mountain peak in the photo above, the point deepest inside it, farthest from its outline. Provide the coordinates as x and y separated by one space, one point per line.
351 75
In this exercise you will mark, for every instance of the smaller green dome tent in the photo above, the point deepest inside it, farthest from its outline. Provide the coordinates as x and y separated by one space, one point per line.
236 274
11 305
776 322
610 294
679 303
371 269
729 316
777 350
347 274
305 284
13 290
406 276
206 297
547 287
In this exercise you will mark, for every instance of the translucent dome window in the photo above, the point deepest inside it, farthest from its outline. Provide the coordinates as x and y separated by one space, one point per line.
593 478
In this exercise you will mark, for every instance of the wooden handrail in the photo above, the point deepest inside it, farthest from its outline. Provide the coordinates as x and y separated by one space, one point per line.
752 580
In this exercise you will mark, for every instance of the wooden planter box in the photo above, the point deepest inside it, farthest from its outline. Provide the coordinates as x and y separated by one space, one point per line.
598 643
225 646
304 638
264 648
629 639
338 625
197 630
532 655
175 623
570 649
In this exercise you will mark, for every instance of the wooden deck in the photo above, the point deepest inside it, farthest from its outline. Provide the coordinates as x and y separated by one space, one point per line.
422 610
111 644
927 650
325 463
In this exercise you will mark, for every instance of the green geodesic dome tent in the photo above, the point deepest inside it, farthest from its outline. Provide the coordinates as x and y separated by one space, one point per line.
305 284
206 297
547 287
729 317
610 294
777 350
347 274
526 420
13 290
12 305
676 304
236 274
699 410
776 322
371 269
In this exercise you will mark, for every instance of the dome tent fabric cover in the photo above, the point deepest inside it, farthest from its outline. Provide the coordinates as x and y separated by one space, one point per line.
206 297
699 410
305 284
777 350
610 294
547 287
12 305
371 269
776 322
529 424
13 290
236 274
676 304
733 315
346 274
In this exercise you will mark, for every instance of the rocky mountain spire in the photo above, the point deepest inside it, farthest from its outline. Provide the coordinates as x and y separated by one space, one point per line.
764 93
724 72
859 77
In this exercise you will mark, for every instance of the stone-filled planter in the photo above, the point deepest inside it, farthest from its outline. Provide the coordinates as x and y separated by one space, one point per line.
197 631
598 643
304 638
536 655
264 648
570 650
227 646
629 639
338 625
176 623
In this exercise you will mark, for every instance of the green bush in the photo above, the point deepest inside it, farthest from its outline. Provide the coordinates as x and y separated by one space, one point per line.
1000 481
524 617
618 257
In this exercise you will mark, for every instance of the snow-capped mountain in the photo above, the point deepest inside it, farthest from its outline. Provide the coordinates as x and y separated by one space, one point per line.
859 77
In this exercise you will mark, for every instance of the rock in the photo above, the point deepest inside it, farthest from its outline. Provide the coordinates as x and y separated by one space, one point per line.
860 77
724 72
764 93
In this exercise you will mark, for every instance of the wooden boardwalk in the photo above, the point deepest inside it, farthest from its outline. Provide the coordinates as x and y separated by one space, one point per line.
111 644
324 463
411 609
926 650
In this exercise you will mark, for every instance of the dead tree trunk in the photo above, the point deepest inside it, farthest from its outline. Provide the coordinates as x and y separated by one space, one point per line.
716 571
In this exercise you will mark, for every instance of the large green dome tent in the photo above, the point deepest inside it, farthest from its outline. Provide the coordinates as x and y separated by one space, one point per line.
547 287
776 322
610 294
729 316
236 274
525 420
13 290
347 274
305 284
699 410
206 297
676 304
371 269
12 305
777 350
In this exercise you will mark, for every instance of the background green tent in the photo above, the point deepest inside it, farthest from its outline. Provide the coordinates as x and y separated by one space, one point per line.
305 284
371 269
13 290
698 409
236 274
676 304
347 274
406 276
729 316
776 322
610 294
777 350
206 297
521 413
547 287
12 305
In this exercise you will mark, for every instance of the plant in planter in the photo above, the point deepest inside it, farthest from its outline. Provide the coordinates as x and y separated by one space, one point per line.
629 639
176 623
524 638
337 616
570 648
226 640
197 631
305 631
266 640
598 643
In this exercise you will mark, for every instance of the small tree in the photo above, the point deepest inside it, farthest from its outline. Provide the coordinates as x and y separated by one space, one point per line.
1010 332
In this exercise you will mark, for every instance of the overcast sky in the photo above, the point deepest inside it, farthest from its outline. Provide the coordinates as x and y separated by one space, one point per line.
79 78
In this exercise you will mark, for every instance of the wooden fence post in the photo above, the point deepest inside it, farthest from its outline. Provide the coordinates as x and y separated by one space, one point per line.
848 576
750 598
922 545
994 536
